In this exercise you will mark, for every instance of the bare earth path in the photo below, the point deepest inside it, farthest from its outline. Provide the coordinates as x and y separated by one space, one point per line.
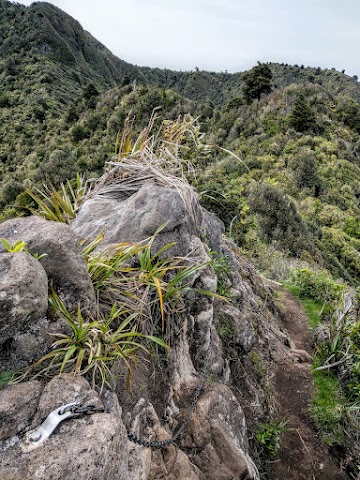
303 455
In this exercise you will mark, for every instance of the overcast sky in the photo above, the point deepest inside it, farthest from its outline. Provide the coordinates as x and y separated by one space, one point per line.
224 34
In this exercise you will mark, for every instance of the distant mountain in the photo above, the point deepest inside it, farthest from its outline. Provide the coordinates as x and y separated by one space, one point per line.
64 97
65 55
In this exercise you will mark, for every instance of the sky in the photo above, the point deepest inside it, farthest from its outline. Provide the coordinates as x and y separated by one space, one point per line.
224 35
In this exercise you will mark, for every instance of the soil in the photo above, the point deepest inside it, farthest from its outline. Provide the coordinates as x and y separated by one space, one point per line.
303 455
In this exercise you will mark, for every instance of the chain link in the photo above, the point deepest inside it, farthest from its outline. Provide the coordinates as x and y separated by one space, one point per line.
86 410
78 408
165 443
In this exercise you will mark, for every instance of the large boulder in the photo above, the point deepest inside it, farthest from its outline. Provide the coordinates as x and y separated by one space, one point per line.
18 404
63 263
216 437
137 217
90 447
23 293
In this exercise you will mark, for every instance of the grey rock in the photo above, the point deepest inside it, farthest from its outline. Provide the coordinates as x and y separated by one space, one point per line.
62 390
212 229
86 448
236 324
63 263
23 292
169 463
30 345
18 404
217 436
137 217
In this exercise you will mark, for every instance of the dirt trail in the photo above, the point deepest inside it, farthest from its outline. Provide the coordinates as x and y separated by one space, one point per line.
303 455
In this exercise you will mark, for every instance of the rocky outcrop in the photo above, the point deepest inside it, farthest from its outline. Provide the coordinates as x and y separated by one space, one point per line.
18 404
23 293
226 345
138 216
88 447
216 438
63 261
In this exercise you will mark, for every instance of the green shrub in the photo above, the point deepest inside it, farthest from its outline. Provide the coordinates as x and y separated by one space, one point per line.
317 284
222 268
269 436
79 133
279 219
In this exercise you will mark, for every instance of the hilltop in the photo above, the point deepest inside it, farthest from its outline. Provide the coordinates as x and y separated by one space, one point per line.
274 152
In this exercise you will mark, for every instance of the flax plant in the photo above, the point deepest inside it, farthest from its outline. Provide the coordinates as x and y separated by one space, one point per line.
59 205
91 346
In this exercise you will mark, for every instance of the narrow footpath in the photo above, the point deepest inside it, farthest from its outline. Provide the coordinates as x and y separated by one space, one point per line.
303 455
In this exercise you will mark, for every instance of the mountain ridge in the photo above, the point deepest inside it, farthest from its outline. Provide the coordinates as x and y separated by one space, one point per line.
276 155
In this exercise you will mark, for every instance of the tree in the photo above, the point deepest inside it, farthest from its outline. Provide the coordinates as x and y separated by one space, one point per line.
306 173
279 220
302 118
349 113
90 91
257 81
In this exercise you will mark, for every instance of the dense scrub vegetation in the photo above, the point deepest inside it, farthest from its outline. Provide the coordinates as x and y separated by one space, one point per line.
282 169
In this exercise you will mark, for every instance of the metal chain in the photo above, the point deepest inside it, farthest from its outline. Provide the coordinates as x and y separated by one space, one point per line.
43 431
86 410
78 408
164 443
39 435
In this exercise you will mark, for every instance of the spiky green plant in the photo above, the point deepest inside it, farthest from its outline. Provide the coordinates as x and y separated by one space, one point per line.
59 205
92 346
142 281
19 246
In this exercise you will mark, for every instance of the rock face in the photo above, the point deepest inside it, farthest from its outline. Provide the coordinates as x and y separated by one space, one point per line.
138 216
228 346
23 293
18 404
63 263
217 436
89 447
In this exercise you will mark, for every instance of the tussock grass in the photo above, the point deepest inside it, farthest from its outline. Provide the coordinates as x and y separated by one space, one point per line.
162 157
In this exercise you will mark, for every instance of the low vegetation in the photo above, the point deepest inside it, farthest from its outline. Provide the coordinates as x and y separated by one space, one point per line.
278 162
333 308
268 436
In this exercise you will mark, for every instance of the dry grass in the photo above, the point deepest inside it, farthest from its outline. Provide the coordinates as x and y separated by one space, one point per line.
163 158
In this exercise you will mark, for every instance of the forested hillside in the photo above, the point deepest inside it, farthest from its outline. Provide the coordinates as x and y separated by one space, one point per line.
64 99
276 152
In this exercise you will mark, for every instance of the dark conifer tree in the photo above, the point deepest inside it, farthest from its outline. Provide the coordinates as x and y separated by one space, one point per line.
256 82
302 118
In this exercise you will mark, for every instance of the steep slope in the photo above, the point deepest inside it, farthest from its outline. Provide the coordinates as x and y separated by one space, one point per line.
65 55
196 405
296 179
